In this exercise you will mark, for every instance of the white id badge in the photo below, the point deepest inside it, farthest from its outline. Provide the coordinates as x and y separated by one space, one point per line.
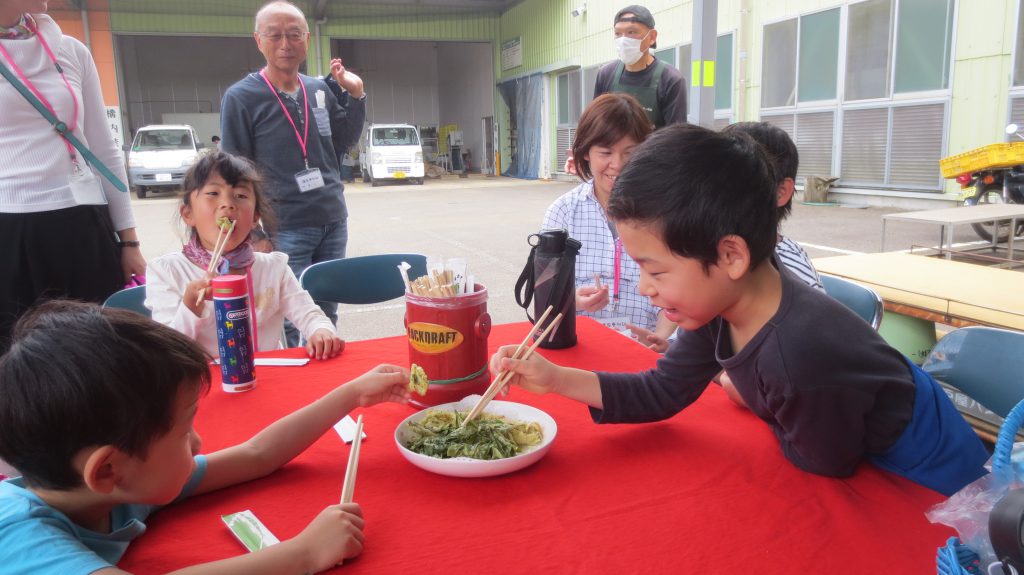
86 188
617 323
309 180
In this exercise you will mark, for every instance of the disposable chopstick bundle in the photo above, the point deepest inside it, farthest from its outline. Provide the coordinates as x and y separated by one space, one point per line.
502 378
348 488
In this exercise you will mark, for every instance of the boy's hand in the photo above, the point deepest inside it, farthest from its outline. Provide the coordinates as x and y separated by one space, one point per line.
323 344
382 383
648 338
535 374
730 390
592 298
192 294
334 535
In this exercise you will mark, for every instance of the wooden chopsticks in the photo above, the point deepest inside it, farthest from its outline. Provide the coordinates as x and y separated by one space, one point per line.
349 487
218 251
502 378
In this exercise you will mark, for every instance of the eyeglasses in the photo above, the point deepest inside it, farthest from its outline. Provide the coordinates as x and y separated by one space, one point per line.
293 36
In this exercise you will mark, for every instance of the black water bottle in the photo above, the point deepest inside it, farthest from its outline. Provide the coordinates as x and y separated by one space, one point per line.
554 278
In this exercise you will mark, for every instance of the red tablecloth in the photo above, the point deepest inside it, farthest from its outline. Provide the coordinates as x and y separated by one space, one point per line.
705 492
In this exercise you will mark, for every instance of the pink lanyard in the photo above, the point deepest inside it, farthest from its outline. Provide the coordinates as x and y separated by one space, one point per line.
618 270
74 118
305 126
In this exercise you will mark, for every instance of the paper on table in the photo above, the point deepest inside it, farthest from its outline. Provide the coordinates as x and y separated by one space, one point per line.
346 429
249 531
276 361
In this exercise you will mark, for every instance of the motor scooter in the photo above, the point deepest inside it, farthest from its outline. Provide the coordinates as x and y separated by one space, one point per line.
996 177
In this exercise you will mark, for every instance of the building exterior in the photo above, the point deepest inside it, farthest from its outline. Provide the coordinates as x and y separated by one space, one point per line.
873 91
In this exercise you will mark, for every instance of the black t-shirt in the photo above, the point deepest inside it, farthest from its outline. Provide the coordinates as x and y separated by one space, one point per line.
671 91
832 390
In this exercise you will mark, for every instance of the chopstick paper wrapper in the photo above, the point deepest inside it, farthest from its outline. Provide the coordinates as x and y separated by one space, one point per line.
346 428
250 532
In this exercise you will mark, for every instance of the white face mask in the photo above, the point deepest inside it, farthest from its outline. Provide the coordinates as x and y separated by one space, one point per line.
629 49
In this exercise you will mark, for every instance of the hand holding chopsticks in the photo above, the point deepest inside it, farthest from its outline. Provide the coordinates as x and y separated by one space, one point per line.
218 251
348 488
502 378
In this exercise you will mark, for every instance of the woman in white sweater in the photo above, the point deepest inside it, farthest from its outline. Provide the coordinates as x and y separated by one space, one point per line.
65 230
221 186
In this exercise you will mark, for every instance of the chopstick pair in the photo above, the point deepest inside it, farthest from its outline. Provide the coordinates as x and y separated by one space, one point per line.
502 378
218 251
348 488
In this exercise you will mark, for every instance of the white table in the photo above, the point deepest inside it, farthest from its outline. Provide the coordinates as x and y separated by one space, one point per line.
948 218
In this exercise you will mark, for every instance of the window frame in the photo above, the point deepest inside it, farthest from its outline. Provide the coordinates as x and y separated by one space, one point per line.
840 105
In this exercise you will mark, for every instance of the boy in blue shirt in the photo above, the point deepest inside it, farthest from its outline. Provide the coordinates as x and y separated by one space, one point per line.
96 411
696 210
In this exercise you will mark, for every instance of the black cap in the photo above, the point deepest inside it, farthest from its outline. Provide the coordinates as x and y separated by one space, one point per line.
640 15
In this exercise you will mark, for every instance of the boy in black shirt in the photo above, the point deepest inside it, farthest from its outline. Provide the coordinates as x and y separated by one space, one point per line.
696 210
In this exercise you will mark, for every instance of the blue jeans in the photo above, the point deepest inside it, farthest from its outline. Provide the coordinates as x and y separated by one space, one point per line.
306 246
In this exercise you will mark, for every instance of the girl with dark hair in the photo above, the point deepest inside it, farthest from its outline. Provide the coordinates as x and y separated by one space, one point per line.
221 188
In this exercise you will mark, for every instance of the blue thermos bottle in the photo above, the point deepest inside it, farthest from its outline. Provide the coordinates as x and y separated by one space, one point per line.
234 333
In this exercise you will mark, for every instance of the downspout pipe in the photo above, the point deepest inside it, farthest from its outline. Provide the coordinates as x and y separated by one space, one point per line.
85 27
319 49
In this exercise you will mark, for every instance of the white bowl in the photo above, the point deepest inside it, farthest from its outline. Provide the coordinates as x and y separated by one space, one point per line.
466 466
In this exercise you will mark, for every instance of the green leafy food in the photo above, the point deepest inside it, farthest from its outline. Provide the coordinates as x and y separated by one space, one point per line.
418 381
488 437
223 222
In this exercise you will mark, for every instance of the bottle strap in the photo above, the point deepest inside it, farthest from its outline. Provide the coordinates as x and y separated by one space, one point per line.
524 285
63 129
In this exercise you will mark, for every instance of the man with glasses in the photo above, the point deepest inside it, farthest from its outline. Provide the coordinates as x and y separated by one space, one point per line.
294 128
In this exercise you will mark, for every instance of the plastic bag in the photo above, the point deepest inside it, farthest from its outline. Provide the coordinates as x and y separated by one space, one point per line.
968 510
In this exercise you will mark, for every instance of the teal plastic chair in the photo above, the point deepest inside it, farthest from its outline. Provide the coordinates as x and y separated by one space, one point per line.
986 363
131 299
361 280
861 300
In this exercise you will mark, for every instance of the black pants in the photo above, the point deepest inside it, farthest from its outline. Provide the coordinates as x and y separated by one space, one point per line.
69 253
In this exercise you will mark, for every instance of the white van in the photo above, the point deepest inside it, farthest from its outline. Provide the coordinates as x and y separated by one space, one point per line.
391 152
160 155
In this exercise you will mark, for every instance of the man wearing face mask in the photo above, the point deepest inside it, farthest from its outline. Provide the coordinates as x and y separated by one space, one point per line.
657 85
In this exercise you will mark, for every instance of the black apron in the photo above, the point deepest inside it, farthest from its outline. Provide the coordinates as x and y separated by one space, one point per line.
646 95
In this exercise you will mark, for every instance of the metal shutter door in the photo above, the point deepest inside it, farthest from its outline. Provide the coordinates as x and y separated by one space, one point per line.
864 143
785 121
917 145
1016 115
814 142
565 137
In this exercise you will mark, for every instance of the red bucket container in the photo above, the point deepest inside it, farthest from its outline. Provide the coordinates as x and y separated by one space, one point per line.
448 339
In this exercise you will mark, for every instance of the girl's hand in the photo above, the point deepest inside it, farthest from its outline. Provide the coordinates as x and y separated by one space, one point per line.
592 298
535 374
334 535
192 291
382 383
648 338
324 344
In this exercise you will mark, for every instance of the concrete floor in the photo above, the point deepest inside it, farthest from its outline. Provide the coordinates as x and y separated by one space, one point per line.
487 221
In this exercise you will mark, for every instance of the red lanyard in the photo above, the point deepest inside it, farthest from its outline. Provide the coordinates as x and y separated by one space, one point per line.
74 118
305 126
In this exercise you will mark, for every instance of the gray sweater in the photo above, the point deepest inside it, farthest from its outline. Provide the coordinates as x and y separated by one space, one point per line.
254 126
826 383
